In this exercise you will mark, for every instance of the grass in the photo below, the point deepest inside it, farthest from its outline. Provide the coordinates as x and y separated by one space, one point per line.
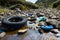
3 10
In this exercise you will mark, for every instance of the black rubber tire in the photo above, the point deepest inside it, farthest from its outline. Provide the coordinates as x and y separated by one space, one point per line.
13 25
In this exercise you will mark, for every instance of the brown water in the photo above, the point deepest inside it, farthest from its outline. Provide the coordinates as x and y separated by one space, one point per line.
29 35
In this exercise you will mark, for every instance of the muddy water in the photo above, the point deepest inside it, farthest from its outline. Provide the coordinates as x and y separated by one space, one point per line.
29 35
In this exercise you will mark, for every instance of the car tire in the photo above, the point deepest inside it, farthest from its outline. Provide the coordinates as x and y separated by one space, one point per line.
9 25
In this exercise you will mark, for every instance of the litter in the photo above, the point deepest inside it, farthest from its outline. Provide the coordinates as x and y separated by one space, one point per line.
47 28
29 15
41 19
30 24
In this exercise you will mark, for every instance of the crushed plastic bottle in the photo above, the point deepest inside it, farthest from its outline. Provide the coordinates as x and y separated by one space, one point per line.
47 28
41 18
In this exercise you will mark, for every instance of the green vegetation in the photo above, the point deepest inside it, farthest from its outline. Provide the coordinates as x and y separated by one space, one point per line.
4 10
22 4
56 4
45 3
9 2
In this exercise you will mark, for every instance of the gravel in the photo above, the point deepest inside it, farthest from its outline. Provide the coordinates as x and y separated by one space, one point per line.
48 12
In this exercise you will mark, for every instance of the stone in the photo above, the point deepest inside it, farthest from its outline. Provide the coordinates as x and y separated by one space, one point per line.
47 36
55 31
2 34
42 23
2 14
58 35
22 31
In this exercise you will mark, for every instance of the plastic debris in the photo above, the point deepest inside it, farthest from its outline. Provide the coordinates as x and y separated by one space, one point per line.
41 18
30 24
47 28
29 15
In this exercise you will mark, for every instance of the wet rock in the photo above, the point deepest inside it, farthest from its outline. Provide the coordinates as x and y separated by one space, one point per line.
52 22
22 31
42 23
2 14
2 34
47 36
58 35
55 31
